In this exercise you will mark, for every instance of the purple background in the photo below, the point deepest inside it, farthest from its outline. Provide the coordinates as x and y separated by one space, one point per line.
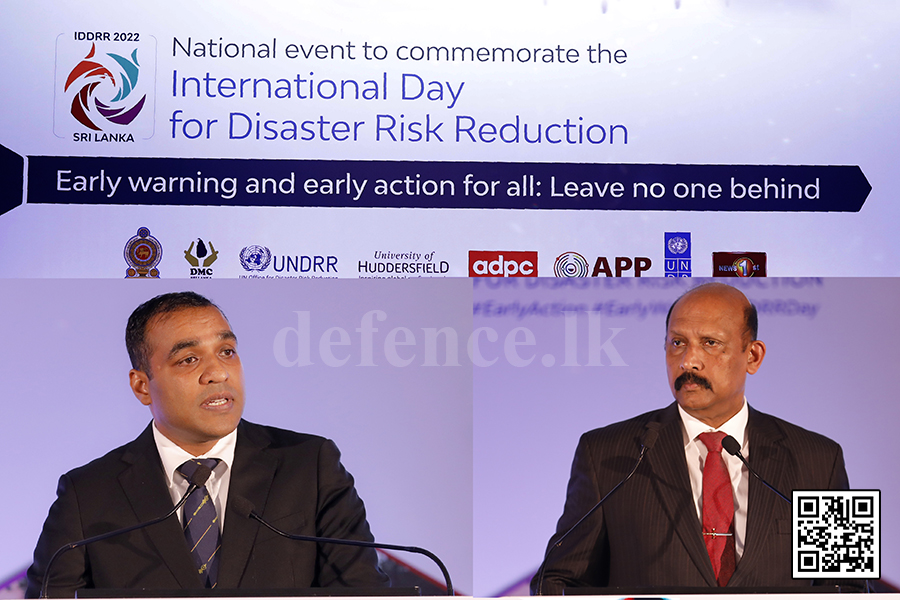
405 432
834 374
470 462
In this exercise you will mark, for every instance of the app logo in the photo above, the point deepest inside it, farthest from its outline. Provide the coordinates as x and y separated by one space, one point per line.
104 86
197 252
255 258
623 264
570 264
142 253
493 263
678 254
739 264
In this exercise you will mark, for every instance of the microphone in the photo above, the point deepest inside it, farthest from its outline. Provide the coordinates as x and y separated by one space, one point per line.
733 448
196 481
246 508
647 442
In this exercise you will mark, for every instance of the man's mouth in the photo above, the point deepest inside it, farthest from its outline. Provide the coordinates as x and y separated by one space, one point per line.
217 402
689 377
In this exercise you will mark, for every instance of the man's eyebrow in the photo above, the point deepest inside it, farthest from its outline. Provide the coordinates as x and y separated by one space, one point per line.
703 335
179 346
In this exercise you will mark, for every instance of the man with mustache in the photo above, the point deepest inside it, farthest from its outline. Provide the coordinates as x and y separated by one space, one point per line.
187 371
669 526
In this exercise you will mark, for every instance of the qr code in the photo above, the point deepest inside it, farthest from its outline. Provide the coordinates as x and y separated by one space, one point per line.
836 534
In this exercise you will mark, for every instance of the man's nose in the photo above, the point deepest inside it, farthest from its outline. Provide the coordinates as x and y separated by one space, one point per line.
690 359
215 372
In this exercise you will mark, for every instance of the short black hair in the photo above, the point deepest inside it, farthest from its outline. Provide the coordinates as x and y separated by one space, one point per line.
136 330
751 317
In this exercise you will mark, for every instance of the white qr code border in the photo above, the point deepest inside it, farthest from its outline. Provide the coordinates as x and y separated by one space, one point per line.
840 544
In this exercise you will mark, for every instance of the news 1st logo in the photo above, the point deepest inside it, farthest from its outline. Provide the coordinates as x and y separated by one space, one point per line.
678 254
497 263
104 86
739 264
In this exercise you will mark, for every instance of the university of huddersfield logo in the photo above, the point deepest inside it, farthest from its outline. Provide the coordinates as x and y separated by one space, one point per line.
104 91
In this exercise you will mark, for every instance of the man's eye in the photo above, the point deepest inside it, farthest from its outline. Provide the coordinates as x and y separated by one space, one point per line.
188 360
229 352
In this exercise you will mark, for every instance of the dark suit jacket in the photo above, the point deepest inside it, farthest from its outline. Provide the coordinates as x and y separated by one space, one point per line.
295 481
648 534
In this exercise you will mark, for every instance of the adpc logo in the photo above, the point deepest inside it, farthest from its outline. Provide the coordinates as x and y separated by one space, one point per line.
104 87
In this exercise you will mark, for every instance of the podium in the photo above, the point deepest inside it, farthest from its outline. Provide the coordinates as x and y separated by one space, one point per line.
241 593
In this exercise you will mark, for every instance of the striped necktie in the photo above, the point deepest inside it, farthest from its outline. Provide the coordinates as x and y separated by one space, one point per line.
718 509
201 524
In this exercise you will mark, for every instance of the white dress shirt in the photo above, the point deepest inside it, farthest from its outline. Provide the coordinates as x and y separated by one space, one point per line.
695 452
173 456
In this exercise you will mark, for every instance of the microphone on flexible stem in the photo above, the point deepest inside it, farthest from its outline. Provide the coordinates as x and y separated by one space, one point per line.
197 480
647 442
246 508
733 448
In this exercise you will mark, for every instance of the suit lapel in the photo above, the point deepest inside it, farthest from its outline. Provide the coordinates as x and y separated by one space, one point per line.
768 458
144 485
670 471
251 479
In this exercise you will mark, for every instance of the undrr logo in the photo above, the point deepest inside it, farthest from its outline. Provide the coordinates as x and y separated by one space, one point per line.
492 263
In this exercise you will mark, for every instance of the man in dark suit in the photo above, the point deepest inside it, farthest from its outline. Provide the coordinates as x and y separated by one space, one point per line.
653 532
186 369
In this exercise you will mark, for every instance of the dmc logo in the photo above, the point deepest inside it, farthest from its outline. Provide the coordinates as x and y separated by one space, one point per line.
570 264
201 253
492 263
94 80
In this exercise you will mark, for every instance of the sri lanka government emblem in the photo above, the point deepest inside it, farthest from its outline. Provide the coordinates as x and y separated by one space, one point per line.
142 253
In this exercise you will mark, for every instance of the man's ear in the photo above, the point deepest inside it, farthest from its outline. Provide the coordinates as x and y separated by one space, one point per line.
757 352
140 385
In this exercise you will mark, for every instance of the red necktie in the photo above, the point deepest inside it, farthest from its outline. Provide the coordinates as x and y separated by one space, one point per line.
718 509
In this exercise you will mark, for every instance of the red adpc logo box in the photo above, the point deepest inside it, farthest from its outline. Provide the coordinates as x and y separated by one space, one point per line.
500 263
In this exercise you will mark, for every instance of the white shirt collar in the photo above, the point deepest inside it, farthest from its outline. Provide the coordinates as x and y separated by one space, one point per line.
173 456
736 426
